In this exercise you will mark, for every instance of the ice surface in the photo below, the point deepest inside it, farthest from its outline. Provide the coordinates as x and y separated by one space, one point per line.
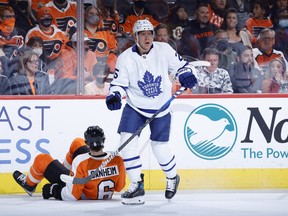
192 203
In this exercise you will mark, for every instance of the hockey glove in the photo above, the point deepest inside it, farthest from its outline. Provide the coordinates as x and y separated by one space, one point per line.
52 190
113 101
187 78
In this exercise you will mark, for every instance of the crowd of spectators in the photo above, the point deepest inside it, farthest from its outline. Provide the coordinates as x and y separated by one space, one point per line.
246 42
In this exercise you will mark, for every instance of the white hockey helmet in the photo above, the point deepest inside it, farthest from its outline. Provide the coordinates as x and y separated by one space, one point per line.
142 25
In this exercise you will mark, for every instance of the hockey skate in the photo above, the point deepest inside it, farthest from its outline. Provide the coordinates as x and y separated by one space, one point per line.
171 187
20 178
135 193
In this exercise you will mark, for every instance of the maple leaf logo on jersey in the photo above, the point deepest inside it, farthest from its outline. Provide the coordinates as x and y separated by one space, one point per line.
150 87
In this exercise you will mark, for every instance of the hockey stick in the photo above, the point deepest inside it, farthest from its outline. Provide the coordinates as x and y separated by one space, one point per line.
74 180
200 63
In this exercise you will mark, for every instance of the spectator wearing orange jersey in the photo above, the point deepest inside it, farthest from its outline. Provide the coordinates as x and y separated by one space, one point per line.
109 17
4 2
65 15
137 11
36 4
265 51
66 67
11 37
53 38
81 153
260 19
102 43
217 10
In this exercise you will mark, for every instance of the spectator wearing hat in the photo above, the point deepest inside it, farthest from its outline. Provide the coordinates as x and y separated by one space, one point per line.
66 72
53 38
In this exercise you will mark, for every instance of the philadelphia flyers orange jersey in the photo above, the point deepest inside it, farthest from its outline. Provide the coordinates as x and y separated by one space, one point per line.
52 43
66 63
263 59
112 178
101 42
4 2
132 18
10 44
107 181
110 24
255 26
214 18
65 18
35 3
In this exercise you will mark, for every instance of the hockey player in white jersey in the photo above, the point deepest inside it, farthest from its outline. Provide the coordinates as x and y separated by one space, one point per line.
141 74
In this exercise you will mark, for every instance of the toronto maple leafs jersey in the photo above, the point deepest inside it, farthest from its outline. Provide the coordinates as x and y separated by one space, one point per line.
144 79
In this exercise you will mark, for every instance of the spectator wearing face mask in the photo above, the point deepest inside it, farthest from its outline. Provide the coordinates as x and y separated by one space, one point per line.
25 16
99 86
102 43
53 38
137 11
65 15
278 6
281 34
37 46
109 17
11 37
